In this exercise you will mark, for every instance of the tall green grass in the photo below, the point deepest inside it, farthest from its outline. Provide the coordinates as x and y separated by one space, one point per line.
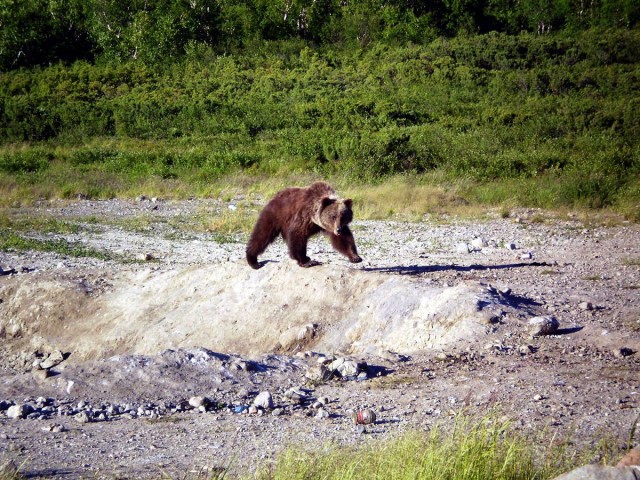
472 450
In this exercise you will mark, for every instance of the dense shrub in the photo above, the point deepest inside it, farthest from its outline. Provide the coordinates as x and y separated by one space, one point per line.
480 107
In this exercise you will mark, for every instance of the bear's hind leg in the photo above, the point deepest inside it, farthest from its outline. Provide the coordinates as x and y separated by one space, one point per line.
264 233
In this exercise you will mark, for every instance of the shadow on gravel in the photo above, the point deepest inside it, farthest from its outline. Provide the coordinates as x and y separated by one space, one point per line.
420 269
378 371
567 331
49 473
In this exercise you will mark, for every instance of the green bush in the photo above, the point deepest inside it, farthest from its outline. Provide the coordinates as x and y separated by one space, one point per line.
24 162
479 107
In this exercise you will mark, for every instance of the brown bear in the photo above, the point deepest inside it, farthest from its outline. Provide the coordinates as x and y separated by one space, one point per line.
297 213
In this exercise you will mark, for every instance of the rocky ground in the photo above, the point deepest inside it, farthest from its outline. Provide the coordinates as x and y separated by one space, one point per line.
77 402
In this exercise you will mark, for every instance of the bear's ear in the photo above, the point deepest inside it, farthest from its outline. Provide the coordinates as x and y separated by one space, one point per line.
348 203
326 201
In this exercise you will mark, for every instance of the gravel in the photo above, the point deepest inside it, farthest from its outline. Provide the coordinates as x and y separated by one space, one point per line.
185 412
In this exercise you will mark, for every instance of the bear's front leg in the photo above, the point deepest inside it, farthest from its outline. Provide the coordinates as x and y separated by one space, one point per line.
345 244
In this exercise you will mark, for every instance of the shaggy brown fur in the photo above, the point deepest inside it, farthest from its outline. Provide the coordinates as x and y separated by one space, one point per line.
297 214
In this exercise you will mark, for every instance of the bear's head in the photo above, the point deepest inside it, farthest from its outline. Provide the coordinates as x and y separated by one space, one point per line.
334 214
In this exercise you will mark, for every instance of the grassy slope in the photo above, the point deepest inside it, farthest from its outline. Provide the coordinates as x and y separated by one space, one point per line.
489 120
501 121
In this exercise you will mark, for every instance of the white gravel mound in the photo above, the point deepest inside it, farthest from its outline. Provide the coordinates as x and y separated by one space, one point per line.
229 307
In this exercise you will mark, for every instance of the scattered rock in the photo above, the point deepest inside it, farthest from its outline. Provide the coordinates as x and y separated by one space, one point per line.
586 306
264 400
9 271
200 402
600 472
54 358
322 414
479 242
243 365
462 248
526 349
346 368
54 428
42 374
82 417
506 291
623 352
505 376
443 357
295 395
19 411
318 373
543 325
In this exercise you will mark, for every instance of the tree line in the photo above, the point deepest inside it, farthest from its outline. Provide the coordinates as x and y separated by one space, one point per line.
44 32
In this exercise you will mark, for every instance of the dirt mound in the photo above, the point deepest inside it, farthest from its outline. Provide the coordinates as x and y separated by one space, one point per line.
231 308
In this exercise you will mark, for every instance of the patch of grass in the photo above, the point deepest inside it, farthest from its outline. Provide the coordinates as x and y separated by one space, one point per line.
392 381
10 240
39 224
631 262
138 224
481 449
230 222
592 278
632 320
407 197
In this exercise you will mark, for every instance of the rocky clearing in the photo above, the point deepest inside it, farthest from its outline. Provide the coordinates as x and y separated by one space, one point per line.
108 358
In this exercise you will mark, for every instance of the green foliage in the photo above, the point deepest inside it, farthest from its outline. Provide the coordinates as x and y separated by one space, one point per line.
555 112
151 31
24 162
43 32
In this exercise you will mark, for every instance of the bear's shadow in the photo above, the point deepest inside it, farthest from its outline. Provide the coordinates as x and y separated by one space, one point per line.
421 269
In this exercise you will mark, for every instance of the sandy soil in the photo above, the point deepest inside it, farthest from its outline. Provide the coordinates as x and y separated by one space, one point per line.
436 320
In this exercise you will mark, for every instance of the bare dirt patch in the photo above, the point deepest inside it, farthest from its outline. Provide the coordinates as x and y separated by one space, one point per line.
436 328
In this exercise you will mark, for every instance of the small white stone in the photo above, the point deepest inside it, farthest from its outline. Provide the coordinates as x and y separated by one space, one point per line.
462 248
322 414
198 401
264 400
479 242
